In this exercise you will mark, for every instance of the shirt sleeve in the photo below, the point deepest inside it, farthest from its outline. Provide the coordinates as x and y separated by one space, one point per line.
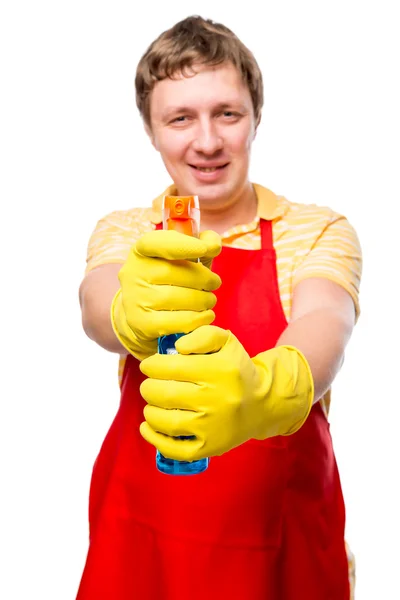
336 255
114 236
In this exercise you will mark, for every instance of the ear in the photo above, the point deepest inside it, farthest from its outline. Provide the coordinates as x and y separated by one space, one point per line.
256 127
151 135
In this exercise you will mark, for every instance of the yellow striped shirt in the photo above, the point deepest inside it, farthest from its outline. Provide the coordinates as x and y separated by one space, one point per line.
310 241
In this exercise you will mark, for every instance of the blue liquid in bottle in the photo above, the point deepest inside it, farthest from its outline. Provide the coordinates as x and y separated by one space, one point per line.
166 345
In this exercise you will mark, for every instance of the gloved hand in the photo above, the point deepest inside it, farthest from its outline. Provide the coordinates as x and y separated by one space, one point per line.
164 289
214 391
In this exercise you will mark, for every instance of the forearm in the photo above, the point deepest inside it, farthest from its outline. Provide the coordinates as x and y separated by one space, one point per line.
321 335
95 295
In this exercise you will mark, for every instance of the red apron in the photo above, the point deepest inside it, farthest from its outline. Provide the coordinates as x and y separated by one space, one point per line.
264 522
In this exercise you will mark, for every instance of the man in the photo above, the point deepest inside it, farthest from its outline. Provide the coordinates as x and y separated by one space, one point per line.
267 324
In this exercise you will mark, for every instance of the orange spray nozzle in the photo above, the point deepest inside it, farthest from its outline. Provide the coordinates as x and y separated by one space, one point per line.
182 213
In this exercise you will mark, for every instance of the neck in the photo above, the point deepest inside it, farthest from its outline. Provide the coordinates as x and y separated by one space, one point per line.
237 211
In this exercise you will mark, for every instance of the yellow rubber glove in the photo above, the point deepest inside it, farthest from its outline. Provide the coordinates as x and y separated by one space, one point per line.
214 391
164 290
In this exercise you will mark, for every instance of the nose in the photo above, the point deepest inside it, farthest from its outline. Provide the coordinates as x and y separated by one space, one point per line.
207 138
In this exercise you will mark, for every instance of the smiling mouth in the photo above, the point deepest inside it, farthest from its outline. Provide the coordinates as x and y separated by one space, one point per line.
209 169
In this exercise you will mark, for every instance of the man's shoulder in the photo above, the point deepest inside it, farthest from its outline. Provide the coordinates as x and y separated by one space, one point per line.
127 218
309 221
306 223
301 211
279 208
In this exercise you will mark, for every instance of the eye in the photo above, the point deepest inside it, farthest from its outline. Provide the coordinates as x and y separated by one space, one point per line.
181 119
231 115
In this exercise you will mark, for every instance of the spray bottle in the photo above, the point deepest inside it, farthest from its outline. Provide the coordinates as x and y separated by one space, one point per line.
180 213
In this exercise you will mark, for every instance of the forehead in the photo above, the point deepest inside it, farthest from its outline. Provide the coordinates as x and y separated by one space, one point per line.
202 86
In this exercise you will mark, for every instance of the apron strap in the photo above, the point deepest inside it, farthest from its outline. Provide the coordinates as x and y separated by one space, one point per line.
266 235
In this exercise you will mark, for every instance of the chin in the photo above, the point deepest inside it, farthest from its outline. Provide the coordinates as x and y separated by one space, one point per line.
220 194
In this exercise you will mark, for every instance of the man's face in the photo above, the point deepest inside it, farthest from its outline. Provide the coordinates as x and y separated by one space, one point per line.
203 126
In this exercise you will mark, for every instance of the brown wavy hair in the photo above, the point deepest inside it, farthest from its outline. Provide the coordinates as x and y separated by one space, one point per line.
195 41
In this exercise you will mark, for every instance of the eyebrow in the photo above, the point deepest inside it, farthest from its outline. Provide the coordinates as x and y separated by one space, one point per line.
171 110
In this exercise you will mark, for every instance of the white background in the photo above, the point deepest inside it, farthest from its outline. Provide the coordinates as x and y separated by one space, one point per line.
73 149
